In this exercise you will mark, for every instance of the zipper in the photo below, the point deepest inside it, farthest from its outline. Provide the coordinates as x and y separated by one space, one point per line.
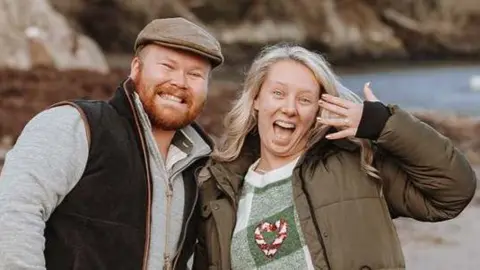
149 189
219 249
167 264
184 233
315 223
234 205
186 227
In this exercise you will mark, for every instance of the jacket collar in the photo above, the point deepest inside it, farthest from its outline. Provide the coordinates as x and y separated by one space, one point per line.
234 171
123 100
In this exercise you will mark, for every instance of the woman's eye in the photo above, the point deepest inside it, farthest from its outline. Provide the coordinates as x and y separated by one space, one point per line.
277 93
305 100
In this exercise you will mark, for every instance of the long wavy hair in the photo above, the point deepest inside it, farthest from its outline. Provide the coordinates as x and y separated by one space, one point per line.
242 118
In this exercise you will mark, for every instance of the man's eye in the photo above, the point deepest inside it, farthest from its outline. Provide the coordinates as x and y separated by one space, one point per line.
167 65
196 74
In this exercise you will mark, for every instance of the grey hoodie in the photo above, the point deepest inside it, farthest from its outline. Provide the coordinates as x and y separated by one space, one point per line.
47 162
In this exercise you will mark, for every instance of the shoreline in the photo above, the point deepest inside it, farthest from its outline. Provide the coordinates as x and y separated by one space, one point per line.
355 66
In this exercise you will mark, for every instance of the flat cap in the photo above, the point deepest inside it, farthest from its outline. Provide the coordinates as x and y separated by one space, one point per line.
181 34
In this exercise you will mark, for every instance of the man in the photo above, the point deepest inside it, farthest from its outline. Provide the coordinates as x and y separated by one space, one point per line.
111 185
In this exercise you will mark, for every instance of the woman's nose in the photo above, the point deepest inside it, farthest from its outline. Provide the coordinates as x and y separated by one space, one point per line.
289 108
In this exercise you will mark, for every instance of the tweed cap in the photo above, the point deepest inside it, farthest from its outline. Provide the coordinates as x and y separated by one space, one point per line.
180 33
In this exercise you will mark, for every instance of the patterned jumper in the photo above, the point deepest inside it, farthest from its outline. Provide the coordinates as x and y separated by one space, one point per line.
267 233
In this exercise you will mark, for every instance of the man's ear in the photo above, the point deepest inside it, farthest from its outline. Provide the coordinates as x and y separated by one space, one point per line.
135 67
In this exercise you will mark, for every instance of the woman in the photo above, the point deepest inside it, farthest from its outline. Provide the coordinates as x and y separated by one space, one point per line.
308 177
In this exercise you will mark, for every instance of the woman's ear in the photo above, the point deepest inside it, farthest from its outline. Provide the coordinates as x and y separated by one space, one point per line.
255 103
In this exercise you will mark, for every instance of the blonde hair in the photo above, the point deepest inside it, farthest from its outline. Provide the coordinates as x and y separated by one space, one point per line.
242 118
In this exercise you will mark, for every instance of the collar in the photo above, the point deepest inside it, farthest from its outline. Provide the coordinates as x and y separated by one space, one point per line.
250 152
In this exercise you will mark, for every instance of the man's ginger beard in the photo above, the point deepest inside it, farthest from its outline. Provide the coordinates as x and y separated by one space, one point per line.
167 118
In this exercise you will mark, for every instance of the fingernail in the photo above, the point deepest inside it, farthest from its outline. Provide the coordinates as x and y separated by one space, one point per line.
320 119
367 84
328 136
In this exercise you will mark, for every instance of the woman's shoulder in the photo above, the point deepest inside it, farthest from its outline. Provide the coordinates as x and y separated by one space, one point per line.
326 149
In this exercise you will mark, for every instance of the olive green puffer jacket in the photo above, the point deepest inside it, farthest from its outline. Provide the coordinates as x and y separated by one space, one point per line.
346 220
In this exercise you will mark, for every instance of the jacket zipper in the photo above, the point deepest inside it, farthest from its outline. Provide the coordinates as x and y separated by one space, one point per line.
168 264
186 227
147 169
315 223
234 205
215 218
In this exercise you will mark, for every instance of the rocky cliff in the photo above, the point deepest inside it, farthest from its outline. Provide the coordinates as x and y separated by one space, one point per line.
342 29
33 33
25 93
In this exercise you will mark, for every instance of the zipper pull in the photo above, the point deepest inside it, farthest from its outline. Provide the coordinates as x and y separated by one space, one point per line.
167 264
169 192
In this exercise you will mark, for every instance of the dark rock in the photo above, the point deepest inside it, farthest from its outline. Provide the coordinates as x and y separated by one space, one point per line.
344 30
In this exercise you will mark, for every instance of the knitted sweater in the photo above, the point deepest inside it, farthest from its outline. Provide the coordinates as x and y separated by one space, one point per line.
267 233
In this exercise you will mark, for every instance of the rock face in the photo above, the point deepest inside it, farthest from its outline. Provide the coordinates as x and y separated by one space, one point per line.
342 29
25 93
429 27
33 34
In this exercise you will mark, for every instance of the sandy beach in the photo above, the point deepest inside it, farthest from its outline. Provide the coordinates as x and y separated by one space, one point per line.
445 245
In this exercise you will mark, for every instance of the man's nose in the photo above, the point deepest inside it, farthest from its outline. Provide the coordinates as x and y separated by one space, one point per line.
178 79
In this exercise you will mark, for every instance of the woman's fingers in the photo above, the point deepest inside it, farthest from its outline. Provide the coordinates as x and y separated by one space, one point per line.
367 91
337 101
349 132
332 107
336 122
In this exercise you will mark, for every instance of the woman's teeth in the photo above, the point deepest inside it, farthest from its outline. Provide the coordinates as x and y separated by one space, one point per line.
285 124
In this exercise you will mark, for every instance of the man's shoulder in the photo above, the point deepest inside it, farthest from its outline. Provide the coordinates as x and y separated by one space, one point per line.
53 122
91 104
57 114
93 109
89 110
83 105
